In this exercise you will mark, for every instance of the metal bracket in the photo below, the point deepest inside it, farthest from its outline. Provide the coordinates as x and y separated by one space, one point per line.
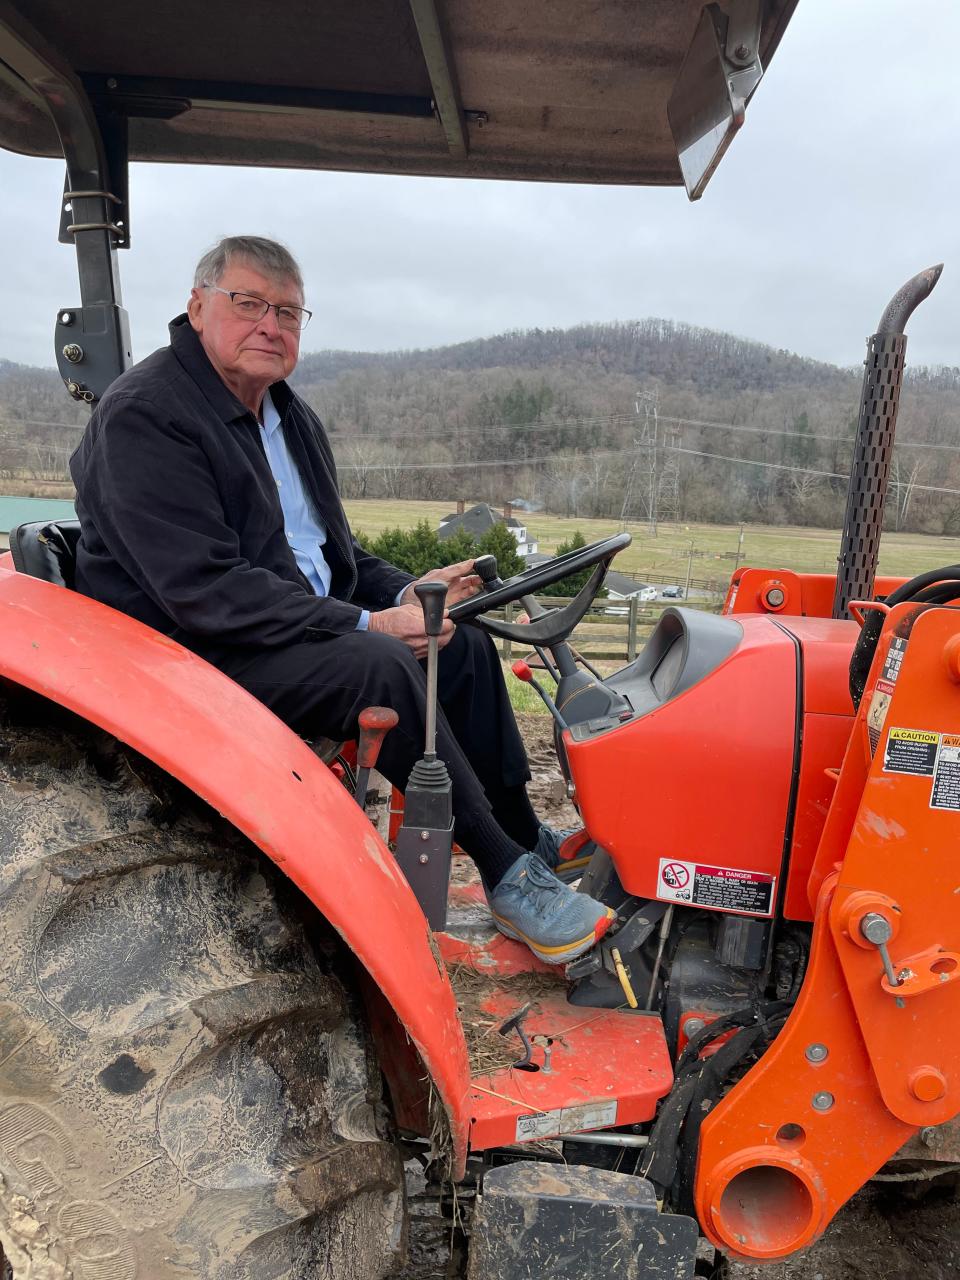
443 75
743 32
741 47
92 340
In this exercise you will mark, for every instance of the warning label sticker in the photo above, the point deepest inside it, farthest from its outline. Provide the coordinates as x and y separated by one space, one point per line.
722 888
880 698
911 751
945 792
548 1124
893 661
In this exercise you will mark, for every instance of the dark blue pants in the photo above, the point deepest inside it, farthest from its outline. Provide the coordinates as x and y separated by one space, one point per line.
320 688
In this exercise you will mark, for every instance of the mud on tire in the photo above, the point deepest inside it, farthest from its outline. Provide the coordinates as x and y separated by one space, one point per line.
185 1089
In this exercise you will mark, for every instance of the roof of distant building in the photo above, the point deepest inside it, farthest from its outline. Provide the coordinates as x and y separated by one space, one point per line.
477 521
622 585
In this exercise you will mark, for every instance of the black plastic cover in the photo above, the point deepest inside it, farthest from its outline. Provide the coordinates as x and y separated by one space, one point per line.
569 1221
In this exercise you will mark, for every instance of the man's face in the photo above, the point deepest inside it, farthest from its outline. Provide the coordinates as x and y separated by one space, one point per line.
246 352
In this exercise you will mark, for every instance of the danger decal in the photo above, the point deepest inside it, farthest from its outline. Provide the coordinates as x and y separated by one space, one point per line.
720 888
882 691
912 751
945 791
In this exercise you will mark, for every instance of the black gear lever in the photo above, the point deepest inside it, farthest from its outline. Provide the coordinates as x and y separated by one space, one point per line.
486 567
425 840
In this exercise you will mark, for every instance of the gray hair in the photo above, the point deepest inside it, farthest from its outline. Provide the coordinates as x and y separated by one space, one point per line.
268 256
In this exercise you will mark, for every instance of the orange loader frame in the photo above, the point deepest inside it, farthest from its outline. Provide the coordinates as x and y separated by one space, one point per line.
870 1054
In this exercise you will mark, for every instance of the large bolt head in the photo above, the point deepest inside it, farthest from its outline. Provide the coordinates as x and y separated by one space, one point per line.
876 928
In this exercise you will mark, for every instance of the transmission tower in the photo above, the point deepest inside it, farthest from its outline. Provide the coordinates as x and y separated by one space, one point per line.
668 488
644 478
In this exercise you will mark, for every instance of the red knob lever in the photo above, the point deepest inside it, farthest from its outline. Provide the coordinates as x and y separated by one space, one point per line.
522 671
375 724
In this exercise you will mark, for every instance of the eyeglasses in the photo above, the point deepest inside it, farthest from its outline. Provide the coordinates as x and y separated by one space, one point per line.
250 307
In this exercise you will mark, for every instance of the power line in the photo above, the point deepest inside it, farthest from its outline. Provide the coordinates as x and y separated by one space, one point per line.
620 453
549 424
808 471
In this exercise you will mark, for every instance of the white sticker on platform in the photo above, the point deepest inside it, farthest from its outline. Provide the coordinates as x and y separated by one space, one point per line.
542 1124
591 1115
719 888
548 1124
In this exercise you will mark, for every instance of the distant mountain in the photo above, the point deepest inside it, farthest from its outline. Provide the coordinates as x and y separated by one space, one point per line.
641 348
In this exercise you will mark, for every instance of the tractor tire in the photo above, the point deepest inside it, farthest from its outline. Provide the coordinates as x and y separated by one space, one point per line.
186 1090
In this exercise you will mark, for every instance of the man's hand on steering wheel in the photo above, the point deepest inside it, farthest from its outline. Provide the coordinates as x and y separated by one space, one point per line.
461 582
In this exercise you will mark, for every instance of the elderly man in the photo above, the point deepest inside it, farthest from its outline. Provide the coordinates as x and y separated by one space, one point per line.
208 502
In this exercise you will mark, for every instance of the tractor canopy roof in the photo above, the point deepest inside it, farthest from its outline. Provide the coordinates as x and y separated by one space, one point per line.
539 89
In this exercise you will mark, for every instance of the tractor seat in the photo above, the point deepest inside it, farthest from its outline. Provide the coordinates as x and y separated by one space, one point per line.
47 551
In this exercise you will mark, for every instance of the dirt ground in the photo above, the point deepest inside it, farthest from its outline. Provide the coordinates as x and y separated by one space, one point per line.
889 1231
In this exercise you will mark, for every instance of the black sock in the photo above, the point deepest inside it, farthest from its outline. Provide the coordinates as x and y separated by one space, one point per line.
514 812
482 837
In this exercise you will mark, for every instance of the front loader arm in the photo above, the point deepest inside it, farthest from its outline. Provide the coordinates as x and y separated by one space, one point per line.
202 728
870 1053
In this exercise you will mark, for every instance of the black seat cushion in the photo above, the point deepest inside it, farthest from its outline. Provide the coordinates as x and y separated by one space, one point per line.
47 551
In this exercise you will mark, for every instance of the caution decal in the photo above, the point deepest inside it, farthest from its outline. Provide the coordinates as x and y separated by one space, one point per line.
911 751
719 888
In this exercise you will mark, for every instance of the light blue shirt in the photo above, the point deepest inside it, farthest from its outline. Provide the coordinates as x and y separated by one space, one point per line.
306 532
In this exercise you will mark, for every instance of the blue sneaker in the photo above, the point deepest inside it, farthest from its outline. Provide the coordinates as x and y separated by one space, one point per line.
557 923
549 841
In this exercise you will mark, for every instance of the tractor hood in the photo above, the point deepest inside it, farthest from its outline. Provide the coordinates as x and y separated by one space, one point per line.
548 89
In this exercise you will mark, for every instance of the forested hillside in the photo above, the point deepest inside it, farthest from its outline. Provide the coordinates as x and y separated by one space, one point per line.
597 420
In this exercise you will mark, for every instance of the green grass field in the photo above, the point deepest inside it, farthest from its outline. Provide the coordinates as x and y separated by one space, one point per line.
665 556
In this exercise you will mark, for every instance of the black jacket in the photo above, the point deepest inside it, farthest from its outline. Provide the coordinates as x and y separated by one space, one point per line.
181 521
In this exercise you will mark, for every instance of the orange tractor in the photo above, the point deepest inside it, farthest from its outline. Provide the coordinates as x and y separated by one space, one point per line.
224 1014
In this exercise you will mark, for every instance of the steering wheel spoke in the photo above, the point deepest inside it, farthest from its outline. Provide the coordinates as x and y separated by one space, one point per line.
555 625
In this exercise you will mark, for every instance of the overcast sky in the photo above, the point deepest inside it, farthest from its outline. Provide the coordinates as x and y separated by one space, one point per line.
843 182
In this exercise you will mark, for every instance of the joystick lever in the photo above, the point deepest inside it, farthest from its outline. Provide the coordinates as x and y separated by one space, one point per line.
425 840
432 597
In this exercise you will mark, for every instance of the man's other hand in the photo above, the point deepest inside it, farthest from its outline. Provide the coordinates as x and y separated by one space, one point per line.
405 622
461 582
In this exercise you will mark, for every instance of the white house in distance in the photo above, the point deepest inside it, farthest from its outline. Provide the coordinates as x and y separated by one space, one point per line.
482 517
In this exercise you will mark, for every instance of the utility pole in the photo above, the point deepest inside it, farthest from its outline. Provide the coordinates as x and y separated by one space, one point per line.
739 550
686 589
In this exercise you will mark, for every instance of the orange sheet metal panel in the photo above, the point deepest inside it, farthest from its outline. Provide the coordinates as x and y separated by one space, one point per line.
697 791
824 742
828 719
607 1068
202 728
782 591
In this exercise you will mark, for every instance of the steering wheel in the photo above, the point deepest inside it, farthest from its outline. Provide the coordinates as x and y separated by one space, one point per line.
553 626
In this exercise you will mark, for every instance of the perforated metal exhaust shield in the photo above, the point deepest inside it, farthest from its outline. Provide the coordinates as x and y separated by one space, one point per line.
873 448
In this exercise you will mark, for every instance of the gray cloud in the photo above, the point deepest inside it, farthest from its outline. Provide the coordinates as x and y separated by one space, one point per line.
839 187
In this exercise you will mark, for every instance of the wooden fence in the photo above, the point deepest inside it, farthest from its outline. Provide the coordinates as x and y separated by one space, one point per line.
611 629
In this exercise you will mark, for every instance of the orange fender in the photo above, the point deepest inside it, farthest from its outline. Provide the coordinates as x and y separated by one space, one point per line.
202 728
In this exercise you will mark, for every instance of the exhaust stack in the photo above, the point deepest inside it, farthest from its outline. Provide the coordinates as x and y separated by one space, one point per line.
873 449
